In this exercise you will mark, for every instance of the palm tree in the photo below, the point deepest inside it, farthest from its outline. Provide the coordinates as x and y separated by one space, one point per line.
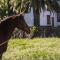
36 8
37 5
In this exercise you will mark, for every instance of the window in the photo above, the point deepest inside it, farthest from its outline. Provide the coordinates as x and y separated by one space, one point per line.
58 17
48 20
52 21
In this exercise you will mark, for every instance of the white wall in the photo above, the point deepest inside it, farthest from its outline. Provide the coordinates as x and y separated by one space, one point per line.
58 23
43 18
29 18
55 19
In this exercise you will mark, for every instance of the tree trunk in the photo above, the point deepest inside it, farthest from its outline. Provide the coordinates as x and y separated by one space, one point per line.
36 12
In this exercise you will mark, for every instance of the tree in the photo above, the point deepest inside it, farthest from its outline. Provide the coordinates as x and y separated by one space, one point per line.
36 8
3 8
37 5
53 4
9 7
22 5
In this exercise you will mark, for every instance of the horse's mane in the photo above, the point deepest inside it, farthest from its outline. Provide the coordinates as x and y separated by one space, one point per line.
7 18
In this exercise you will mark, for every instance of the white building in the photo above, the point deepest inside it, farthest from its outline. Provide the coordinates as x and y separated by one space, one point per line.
47 18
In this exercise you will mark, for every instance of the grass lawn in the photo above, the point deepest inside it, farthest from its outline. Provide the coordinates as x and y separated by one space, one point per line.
33 49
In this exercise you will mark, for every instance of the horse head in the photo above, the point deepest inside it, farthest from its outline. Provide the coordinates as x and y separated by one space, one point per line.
21 24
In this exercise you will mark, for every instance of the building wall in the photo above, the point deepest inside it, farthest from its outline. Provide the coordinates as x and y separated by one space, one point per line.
29 18
55 19
43 18
58 21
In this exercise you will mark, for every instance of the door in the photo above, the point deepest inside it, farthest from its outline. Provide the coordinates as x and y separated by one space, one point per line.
53 21
48 20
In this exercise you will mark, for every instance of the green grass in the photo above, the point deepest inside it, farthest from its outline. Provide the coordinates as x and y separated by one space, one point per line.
33 49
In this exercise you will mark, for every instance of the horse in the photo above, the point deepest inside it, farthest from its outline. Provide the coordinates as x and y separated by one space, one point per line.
7 27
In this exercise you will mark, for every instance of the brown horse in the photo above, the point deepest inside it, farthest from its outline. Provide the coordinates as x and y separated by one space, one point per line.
7 27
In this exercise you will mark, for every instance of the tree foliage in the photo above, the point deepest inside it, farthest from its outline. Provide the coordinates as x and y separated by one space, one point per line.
3 8
9 7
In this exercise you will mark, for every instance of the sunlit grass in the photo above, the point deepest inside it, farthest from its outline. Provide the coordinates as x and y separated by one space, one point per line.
33 49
